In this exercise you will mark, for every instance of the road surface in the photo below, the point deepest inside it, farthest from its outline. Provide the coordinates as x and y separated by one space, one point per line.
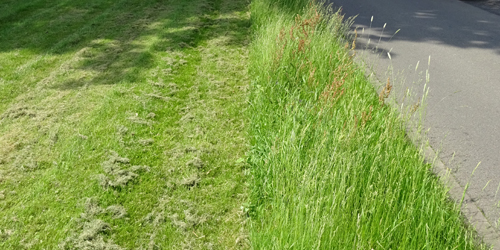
463 105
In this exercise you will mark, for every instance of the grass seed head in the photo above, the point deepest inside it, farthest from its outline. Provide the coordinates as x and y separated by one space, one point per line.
386 91
353 47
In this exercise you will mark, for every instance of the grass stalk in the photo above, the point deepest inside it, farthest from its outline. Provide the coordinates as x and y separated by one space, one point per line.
332 166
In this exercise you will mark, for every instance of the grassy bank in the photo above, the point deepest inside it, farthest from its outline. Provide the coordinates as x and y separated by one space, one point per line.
332 167
122 124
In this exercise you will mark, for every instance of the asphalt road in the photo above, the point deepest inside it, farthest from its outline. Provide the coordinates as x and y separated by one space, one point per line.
463 105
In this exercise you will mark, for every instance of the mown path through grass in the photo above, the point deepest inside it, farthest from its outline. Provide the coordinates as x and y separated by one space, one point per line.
122 125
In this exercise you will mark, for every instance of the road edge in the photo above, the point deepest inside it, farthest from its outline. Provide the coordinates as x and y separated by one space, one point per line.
473 214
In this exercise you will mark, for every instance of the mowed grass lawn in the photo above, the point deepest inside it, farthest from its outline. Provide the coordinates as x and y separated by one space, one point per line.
122 124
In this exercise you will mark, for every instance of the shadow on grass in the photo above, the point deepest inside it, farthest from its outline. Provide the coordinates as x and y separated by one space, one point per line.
114 40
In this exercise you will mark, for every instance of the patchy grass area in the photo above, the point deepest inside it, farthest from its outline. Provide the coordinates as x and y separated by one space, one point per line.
331 164
122 124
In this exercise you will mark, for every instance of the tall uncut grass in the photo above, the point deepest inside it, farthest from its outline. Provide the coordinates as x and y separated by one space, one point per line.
332 167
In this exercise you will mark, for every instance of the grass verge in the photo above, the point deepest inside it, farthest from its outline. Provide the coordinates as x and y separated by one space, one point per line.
122 124
331 163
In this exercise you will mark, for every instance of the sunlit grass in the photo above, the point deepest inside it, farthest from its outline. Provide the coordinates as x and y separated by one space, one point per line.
122 124
332 165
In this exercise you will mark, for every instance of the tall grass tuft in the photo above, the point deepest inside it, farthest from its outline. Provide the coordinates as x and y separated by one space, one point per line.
332 167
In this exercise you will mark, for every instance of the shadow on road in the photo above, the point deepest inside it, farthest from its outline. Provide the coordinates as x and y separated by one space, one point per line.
441 22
